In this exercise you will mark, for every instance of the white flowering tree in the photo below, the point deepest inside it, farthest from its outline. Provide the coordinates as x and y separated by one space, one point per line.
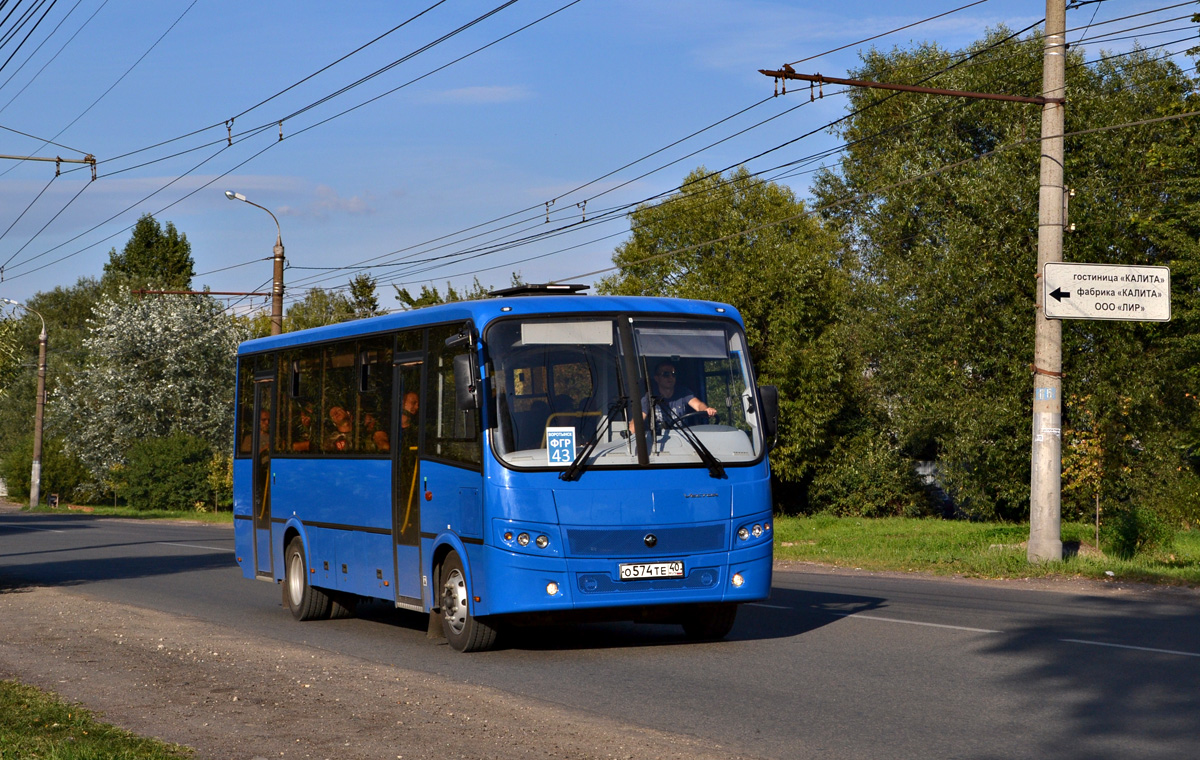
9 356
155 367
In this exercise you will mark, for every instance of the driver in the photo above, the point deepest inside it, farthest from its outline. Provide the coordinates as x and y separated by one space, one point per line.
679 399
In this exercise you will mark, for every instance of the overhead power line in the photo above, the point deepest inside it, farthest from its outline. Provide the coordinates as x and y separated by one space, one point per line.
879 190
272 124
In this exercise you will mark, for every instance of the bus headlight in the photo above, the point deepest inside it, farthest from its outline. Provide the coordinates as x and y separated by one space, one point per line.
552 588
752 534
523 539
542 542
737 580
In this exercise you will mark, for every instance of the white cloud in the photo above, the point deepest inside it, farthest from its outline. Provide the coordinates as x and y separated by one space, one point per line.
328 202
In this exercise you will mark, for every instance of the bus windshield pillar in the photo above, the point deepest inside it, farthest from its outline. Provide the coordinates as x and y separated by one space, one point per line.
636 391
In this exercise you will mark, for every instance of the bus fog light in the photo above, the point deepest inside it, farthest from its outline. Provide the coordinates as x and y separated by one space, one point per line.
737 580
743 534
523 539
542 542
757 531
552 588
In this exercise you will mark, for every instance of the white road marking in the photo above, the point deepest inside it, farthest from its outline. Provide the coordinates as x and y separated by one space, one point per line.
194 546
767 606
1126 646
913 622
24 527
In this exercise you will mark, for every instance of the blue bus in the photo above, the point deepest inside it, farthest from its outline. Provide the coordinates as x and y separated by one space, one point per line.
539 455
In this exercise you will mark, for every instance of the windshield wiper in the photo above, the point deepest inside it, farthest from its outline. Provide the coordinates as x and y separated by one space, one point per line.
715 469
576 467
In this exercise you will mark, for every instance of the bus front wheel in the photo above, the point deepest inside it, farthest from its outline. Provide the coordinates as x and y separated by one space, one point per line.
709 622
304 601
464 631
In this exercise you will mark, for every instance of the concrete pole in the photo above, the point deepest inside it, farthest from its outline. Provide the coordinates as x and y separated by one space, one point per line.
1045 497
277 287
35 477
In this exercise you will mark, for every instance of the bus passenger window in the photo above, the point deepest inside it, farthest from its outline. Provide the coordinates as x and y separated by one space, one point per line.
375 396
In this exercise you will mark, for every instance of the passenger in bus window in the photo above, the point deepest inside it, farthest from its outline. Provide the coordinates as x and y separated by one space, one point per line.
264 433
374 439
408 412
304 430
678 398
342 426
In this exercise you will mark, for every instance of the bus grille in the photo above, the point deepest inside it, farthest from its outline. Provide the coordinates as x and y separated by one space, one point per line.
592 542
603 583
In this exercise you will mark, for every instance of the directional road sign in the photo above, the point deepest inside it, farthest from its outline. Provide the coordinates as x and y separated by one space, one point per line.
1103 291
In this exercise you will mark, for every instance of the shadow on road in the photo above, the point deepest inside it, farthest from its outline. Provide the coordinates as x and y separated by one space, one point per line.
788 613
22 567
1124 675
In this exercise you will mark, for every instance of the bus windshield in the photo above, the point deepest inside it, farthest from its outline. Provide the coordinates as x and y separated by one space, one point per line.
565 389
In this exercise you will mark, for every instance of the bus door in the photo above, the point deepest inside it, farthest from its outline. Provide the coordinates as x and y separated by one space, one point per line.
406 488
264 414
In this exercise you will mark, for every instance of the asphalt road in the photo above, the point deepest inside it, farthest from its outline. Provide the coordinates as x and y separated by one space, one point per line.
834 665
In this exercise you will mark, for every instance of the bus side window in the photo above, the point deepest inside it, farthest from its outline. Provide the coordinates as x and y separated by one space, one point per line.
339 399
245 407
375 395
451 433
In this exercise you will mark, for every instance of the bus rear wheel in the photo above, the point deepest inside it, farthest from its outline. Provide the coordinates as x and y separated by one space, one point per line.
709 622
464 631
304 601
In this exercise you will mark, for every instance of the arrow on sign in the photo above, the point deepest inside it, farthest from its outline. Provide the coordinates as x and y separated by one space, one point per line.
1059 295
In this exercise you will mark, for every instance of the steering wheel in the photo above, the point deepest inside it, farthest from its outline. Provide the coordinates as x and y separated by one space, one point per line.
681 419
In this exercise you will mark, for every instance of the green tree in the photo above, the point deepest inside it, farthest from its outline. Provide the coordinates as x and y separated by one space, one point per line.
431 297
318 308
364 302
62 473
947 276
10 362
750 243
66 311
155 257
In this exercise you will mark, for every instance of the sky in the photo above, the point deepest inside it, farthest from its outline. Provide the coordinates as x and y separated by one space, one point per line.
426 141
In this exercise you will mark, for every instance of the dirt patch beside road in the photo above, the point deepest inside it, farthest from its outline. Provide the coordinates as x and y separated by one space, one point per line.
192 683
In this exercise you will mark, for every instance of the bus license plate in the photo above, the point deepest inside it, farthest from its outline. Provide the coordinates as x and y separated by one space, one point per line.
634 571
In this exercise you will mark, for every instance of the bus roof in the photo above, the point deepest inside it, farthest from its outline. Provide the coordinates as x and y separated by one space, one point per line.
482 312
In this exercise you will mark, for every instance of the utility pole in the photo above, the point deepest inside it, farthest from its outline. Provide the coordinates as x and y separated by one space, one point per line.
35 475
1045 499
277 279
39 415
1045 494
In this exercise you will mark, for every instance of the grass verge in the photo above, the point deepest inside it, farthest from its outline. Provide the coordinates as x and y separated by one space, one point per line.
35 725
223 517
972 549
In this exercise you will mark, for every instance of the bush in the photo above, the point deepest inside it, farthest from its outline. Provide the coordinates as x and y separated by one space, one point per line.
169 473
865 476
62 473
220 480
1132 530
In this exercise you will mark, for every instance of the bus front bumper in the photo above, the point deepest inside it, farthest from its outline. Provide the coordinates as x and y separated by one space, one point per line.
521 583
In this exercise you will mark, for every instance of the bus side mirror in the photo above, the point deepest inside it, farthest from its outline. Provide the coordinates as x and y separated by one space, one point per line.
770 411
466 382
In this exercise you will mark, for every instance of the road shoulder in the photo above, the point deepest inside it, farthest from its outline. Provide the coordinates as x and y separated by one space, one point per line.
193 683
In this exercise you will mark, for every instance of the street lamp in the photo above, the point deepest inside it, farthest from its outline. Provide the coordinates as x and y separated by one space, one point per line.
35 477
277 287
